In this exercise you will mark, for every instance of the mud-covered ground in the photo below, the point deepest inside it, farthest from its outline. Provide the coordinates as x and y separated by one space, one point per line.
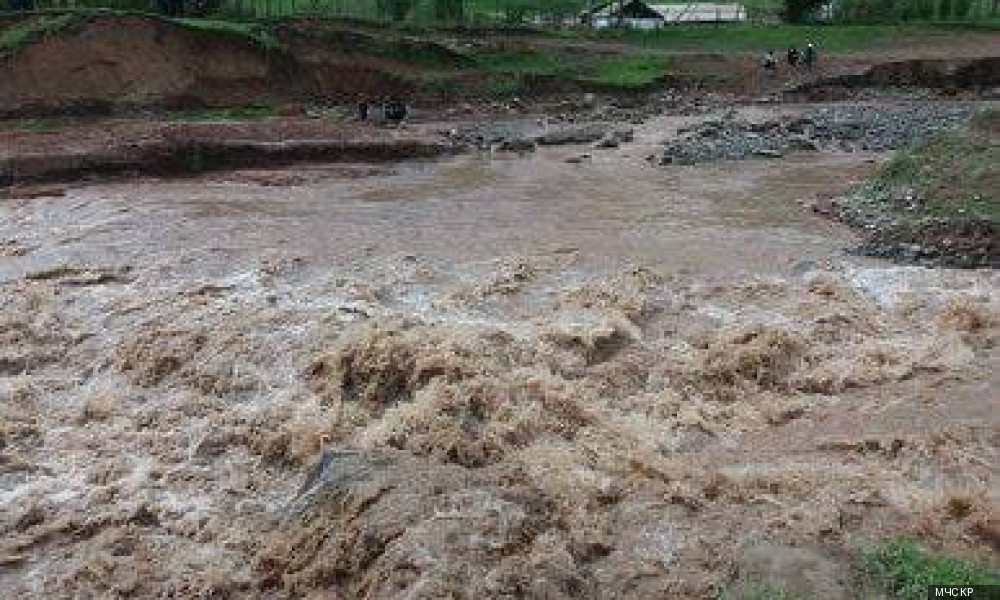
525 378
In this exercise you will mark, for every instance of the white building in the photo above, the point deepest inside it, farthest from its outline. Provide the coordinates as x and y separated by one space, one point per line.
636 14
701 12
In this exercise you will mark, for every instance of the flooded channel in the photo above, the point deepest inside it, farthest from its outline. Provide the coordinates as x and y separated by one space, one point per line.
605 373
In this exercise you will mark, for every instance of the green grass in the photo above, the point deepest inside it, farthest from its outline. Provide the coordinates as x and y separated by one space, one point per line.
503 86
828 39
629 73
18 36
258 34
951 174
905 569
528 62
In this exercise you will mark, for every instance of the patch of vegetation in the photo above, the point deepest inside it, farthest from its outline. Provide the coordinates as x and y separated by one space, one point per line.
987 121
828 39
936 203
951 174
258 34
630 73
626 72
20 35
441 82
526 62
905 569
502 86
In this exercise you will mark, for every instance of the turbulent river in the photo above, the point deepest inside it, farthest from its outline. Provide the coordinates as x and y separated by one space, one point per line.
591 379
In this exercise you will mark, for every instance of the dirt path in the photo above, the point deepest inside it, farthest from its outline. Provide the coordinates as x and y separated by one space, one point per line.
606 375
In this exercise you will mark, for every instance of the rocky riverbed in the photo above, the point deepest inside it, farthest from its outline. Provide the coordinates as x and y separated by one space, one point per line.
838 128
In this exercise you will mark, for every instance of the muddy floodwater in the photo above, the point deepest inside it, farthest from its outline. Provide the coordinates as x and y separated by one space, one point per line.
613 209
598 378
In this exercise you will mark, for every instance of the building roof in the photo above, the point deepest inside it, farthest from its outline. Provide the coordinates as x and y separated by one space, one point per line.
700 12
687 12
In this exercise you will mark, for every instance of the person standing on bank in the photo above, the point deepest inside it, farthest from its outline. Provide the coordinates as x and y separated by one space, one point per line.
793 57
770 63
809 57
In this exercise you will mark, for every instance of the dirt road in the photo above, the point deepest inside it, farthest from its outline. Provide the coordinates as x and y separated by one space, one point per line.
594 379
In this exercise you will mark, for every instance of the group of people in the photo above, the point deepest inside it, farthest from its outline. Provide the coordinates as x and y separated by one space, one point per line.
796 58
390 110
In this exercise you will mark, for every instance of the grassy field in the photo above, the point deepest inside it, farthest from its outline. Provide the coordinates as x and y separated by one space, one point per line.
828 38
626 72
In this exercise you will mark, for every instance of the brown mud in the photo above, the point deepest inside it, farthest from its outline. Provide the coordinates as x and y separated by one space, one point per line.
108 63
152 147
944 74
489 376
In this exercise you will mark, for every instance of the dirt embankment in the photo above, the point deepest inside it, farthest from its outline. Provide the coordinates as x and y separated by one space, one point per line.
105 64
110 147
947 74
108 63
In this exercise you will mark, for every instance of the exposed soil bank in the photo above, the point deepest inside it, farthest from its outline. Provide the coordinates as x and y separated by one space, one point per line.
175 148
981 73
107 63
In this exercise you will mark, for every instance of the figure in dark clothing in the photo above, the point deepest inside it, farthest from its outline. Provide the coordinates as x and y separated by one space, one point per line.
396 111
770 63
809 57
363 111
793 57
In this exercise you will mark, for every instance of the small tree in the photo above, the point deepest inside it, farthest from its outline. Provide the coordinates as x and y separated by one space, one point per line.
799 11
395 10
449 10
